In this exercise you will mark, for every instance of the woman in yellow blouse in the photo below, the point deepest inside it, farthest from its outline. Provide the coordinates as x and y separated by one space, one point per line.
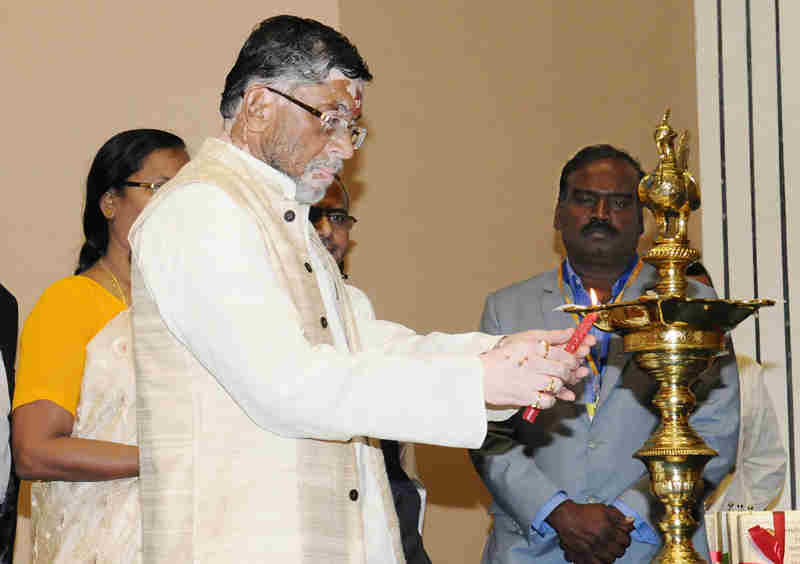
74 419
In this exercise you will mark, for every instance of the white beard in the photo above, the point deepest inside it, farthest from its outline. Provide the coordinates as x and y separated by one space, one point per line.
310 190
306 194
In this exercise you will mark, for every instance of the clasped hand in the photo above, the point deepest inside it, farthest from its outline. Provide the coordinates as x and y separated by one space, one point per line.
591 533
532 368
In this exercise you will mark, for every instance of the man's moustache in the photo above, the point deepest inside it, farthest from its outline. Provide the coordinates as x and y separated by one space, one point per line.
595 226
331 164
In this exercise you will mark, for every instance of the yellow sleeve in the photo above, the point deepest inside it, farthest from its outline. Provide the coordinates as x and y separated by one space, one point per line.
52 349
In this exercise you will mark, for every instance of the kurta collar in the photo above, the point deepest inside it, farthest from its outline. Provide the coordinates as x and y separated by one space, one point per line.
272 175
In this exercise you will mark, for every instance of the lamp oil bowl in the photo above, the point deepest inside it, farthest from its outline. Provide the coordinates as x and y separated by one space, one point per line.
673 339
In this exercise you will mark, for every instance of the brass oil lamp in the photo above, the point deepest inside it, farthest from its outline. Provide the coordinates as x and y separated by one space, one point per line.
673 338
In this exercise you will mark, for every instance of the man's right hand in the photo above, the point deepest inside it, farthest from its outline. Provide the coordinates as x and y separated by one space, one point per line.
532 368
591 533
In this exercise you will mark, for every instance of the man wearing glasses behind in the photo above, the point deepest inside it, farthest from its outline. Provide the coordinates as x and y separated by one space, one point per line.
261 393
332 220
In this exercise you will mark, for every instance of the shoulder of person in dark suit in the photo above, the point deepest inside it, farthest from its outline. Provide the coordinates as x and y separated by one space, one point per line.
9 313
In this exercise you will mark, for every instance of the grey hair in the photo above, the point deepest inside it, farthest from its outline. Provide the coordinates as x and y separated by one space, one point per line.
292 51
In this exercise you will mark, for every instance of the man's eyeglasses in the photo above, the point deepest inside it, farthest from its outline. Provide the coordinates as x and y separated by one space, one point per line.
151 186
338 217
331 123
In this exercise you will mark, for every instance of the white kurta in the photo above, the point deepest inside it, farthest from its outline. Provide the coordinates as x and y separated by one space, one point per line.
242 329
760 469
364 312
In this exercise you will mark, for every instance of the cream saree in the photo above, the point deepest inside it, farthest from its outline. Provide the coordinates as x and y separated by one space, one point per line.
97 522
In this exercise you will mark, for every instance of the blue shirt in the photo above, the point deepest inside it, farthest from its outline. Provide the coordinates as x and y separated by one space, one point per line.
581 297
642 531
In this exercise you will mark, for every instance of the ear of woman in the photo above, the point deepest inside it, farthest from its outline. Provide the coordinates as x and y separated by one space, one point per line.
107 205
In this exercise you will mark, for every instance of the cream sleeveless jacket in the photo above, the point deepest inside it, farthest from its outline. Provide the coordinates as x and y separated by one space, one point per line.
292 501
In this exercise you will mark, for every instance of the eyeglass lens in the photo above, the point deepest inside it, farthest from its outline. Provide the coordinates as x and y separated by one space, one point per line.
337 218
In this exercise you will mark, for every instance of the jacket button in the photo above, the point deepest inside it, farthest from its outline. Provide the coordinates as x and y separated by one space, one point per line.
353 495
308 267
289 215
324 323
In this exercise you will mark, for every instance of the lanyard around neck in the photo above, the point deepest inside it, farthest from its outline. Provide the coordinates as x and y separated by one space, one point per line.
567 300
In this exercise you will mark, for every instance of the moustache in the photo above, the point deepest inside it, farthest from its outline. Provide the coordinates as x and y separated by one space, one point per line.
598 226
331 164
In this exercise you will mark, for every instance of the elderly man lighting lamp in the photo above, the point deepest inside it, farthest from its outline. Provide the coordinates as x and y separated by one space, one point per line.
261 393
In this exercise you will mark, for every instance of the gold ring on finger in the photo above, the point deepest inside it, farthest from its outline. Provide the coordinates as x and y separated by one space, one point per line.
546 346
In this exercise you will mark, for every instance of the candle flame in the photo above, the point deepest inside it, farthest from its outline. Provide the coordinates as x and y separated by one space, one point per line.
593 297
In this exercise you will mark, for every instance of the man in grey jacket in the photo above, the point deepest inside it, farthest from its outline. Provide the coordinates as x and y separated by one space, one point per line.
566 487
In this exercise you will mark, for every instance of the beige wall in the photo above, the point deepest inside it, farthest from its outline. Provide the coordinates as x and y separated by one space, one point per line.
472 114
74 74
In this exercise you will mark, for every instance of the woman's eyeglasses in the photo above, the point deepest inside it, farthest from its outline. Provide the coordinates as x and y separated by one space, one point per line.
151 186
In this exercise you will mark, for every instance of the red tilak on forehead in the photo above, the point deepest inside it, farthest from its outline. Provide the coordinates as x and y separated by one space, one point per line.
357 106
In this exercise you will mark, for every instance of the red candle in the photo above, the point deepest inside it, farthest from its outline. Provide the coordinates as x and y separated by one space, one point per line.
574 342
580 333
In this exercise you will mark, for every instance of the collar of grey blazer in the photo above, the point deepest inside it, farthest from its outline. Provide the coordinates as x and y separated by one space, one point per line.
552 298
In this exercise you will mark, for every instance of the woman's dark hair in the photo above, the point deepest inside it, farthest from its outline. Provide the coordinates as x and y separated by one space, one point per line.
117 159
